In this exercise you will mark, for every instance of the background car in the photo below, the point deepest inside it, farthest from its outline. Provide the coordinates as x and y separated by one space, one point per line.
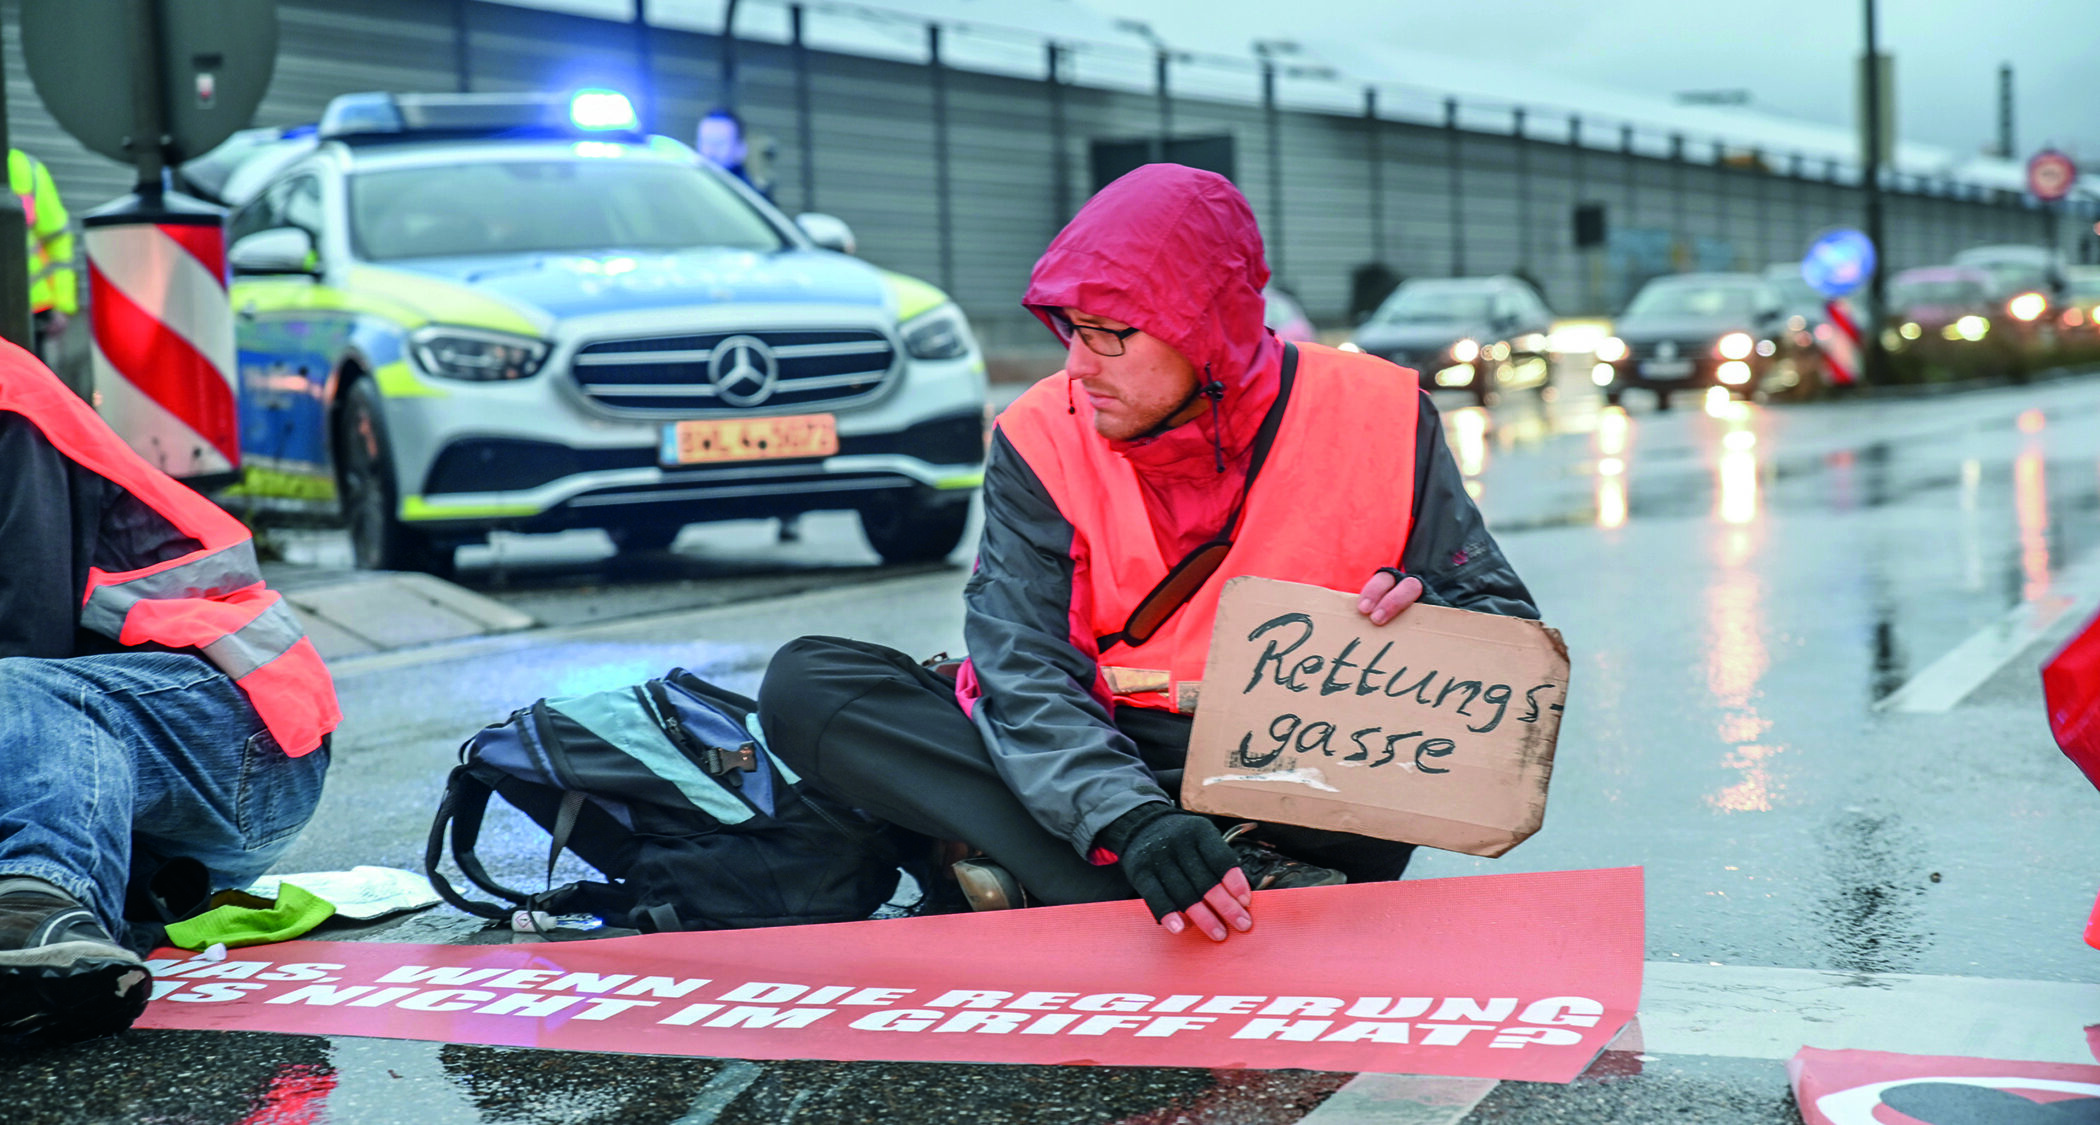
456 314
1690 332
1284 316
1484 335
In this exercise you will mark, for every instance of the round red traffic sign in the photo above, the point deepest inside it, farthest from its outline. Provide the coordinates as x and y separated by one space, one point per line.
2050 175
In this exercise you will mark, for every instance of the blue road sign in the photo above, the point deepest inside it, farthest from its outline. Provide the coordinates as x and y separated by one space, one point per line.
1838 262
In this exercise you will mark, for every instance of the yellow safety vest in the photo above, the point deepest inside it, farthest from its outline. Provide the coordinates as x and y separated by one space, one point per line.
52 281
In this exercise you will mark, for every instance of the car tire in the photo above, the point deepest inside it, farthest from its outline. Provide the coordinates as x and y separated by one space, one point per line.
909 531
370 497
644 537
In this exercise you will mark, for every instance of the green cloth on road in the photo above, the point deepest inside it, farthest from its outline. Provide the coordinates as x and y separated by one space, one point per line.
295 912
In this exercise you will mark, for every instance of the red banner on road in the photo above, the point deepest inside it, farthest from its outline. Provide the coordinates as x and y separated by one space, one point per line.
1874 1088
1498 976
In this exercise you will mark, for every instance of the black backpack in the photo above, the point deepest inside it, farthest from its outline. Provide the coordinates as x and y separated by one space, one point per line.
665 787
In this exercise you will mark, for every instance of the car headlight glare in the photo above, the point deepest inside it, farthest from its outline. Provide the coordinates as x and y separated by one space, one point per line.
1735 345
943 333
2027 306
1611 349
1466 351
476 355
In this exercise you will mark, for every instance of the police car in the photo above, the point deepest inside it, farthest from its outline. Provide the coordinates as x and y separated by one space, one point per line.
460 313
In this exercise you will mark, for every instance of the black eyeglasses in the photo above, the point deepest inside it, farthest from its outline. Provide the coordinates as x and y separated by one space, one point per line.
1100 341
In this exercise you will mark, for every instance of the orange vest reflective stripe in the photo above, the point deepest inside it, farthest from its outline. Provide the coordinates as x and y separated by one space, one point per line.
211 599
1334 503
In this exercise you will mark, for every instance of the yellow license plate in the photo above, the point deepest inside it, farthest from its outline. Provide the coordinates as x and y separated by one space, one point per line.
710 440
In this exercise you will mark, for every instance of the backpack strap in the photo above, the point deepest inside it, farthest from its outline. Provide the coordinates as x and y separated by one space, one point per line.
465 802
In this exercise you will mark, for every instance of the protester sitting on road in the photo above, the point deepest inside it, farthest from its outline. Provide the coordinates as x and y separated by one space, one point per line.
163 718
1062 763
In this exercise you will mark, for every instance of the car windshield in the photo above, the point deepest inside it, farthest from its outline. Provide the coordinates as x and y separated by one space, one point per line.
2008 277
1945 292
1435 304
1702 299
559 206
1794 291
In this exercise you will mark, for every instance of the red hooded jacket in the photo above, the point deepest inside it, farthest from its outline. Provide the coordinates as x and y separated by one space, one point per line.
1175 252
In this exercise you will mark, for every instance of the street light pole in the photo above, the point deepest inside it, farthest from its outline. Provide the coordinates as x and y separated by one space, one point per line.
1877 285
1267 50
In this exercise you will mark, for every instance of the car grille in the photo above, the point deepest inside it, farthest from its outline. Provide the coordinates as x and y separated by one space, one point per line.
816 369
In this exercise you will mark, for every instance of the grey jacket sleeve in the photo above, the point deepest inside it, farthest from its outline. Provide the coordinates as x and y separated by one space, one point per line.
1050 736
1450 550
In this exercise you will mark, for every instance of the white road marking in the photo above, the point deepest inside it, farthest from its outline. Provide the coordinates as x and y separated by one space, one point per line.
724 1088
1401 1099
2075 592
1758 1013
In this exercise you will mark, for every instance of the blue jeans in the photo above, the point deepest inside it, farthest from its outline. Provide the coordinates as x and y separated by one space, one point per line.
147 751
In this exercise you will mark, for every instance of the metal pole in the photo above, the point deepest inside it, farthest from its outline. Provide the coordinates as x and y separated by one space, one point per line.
462 57
805 121
1166 104
1876 366
149 128
1626 161
1797 167
1523 155
644 67
2005 111
1764 205
1274 238
729 59
1060 140
1375 157
14 243
1676 195
1458 213
943 199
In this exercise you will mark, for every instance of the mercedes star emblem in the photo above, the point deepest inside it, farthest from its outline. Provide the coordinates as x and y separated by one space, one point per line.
743 370
1666 350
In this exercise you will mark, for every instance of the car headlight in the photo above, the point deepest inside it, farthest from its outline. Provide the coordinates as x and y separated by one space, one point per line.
476 355
1611 349
943 333
1466 351
1735 345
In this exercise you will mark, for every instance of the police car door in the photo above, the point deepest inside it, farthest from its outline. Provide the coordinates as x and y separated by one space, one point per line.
285 342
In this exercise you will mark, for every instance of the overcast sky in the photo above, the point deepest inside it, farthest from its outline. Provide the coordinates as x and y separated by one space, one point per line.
1794 56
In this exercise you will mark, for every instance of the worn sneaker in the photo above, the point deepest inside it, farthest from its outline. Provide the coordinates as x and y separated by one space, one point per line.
986 885
61 976
1268 869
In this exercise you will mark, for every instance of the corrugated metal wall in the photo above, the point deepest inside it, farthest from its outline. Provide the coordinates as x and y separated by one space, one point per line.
873 135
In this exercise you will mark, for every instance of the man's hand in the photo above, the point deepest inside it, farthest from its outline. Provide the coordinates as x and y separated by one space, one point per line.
1386 594
1180 864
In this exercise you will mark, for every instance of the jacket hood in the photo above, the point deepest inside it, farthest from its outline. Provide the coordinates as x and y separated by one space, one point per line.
1175 251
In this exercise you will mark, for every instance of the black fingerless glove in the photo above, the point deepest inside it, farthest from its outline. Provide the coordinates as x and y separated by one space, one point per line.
1171 857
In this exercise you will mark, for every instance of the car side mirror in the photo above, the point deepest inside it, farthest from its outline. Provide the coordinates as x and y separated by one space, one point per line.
278 252
827 231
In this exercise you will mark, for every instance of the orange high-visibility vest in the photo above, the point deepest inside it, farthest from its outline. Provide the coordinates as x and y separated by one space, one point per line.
211 599
1333 504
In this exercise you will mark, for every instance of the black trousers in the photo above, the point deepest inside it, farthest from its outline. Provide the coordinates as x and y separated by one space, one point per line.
872 728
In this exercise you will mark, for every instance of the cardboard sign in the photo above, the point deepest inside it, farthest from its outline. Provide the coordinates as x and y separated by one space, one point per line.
1877 1088
1437 728
1500 976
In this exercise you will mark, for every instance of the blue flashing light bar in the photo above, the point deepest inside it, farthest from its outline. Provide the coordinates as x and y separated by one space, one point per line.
380 115
600 110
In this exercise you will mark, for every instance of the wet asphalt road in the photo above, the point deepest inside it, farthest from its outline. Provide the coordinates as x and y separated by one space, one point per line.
1739 589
